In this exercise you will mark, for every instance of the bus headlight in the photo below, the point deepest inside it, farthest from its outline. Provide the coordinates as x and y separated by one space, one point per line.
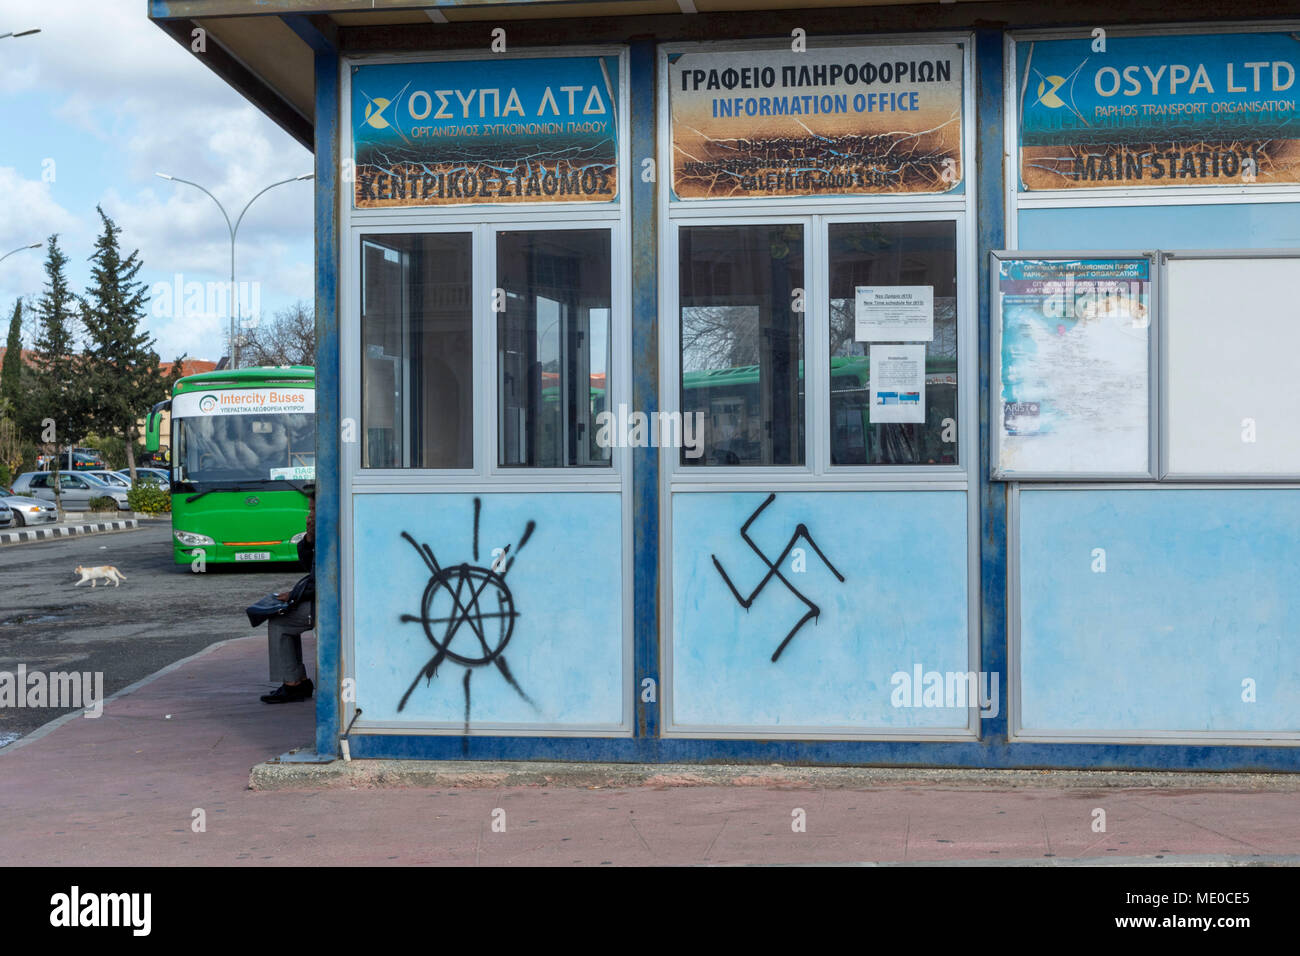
298 537
189 539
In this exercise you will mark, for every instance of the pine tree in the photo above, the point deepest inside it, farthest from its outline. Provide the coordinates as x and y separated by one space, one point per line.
59 396
12 370
123 368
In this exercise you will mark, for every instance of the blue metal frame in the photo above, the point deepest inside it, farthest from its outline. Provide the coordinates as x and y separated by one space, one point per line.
989 119
329 463
645 386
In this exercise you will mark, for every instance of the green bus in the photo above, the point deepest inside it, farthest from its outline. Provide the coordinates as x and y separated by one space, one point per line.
737 426
243 444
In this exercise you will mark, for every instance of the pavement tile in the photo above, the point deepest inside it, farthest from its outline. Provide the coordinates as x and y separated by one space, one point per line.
121 789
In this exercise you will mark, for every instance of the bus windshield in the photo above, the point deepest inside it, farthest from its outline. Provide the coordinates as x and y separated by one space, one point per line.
229 449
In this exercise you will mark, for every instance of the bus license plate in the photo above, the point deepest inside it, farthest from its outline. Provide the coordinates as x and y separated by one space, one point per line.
252 555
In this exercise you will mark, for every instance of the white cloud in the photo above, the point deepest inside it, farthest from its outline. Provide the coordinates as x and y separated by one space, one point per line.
115 77
28 214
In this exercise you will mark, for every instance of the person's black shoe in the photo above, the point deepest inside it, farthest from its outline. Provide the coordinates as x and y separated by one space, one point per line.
284 694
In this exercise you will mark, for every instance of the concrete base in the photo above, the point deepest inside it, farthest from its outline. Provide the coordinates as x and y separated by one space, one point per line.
297 770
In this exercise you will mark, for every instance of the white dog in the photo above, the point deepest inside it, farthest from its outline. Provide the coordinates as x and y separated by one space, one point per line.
103 573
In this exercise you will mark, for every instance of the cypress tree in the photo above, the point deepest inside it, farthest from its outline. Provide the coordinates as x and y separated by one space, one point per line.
124 373
59 400
12 370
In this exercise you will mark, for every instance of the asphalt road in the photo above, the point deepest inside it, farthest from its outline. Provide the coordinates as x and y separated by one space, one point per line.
160 614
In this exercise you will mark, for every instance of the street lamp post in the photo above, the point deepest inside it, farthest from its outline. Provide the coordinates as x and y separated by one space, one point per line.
234 229
23 33
34 245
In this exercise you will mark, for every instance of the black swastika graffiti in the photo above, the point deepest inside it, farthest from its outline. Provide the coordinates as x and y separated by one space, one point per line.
774 570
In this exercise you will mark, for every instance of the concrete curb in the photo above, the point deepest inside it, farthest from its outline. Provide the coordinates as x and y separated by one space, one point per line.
288 773
65 531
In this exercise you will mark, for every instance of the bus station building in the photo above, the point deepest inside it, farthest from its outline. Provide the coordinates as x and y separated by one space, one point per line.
879 384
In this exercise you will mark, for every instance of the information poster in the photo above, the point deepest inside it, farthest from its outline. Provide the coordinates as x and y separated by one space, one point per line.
467 132
1170 110
894 313
837 121
1075 372
897 384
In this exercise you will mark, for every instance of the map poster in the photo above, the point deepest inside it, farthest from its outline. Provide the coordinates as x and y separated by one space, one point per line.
470 132
840 121
1074 391
1172 110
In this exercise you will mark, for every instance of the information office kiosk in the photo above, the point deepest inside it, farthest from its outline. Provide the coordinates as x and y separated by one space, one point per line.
901 385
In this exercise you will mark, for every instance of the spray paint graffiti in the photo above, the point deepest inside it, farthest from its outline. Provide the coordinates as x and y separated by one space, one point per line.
465 595
774 570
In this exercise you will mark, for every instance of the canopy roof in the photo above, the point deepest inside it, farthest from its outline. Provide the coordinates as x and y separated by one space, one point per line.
266 48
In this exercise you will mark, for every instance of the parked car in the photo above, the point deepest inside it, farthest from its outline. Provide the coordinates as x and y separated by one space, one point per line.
149 476
75 489
6 516
113 478
28 510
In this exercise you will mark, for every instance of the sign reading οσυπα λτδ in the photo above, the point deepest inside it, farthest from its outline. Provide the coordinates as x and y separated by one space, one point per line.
472 132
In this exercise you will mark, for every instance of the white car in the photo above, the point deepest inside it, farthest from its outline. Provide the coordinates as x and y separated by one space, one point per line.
111 478
27 510
158 477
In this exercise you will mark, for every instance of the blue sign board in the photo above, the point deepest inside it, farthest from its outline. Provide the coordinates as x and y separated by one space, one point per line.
1167 110
458 132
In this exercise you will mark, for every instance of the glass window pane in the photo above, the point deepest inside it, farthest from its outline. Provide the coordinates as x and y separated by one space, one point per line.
879 254
553 357
742 343
417 351
241 448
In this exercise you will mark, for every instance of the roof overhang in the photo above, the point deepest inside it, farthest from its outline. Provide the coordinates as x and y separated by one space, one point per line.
266 49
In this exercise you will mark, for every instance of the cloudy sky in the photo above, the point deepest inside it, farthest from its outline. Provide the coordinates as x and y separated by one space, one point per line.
90 108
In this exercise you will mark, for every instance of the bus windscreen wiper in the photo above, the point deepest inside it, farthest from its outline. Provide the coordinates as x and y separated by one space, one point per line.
298 488
208 491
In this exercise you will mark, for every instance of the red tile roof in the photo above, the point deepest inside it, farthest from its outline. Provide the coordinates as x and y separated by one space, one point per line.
188 367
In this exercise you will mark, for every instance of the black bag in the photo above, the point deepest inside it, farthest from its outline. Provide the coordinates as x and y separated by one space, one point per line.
265 609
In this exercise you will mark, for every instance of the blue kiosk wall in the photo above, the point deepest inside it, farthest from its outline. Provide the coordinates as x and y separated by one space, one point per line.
724 698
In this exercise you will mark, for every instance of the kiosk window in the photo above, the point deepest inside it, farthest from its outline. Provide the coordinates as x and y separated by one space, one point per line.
417 369
553 348
893 284
742 343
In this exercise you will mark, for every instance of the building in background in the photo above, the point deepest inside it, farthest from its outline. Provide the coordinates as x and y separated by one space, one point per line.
895 384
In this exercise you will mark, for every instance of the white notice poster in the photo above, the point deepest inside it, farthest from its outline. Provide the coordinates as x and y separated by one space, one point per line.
894 313
897 383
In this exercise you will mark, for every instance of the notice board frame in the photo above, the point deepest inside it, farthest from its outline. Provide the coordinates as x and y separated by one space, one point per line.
1154 366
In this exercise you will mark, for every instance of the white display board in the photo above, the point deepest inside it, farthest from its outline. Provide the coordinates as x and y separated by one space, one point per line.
1232 364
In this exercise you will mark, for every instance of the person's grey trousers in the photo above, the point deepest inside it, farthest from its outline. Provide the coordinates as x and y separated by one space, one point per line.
284 643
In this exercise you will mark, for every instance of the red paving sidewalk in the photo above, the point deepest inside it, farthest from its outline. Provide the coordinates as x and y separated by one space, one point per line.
122 789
